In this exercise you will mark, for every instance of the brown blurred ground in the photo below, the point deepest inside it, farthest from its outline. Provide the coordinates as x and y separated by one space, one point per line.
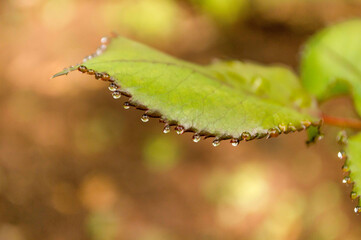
75 165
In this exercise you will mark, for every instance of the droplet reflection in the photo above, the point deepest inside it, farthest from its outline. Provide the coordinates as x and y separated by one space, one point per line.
144 118
196 138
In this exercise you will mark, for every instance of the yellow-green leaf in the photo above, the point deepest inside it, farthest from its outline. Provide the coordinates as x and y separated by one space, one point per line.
225 99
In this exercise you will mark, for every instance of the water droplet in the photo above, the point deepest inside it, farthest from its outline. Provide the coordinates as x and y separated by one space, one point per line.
104 40
116 95
317 124
320 137
306 123
342 155
106 77
246 136
102 47
345 168
98 75
262 135
113 87
234 142
273 132
292 128
126 105
91 72
342 137
347 180
98 52
216 142
196 138
353 195
357 209
282 127
87 58
166 129
144 118
179 129
82 69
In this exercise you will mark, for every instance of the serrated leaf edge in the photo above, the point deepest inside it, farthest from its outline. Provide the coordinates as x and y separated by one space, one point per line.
342 155
117 91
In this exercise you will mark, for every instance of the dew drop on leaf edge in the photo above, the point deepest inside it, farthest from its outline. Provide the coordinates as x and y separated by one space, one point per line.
113 87
357 209
116 95
196 138
216 142
353 195
234 142
346 180
126 105
166 129
179 130
341 155
144 118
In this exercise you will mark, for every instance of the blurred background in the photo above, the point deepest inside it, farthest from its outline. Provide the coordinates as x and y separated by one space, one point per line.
75 165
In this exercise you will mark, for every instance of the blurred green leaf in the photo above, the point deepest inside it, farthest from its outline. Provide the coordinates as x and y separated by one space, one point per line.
102 226
96 134
224 11
245 187
331 62
313 134
149 19
225 100
161 153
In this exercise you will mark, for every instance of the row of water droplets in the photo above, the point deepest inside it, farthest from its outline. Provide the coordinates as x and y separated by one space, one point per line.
273 132
342 140
104 43
116 94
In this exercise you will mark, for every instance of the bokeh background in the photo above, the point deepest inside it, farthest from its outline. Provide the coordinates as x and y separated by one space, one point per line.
75 165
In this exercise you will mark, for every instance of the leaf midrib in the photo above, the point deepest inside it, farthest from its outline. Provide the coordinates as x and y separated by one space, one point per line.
166 63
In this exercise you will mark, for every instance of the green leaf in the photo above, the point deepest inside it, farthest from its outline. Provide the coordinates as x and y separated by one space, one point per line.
331 62
224 100
313 134
353 164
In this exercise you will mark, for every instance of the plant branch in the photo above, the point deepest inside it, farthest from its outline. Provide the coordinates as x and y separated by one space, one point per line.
342 122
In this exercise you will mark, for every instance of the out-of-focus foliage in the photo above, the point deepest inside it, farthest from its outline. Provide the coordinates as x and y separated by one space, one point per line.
331 62
102 226
161 153
237 191
224 11
331 66
145 18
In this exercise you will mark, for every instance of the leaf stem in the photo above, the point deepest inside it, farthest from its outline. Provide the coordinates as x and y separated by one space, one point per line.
342 122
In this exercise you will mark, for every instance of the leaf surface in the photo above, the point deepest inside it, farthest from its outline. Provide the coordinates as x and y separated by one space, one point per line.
331 62
225 99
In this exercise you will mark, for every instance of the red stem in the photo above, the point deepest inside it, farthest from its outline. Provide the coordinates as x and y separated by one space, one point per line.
342 122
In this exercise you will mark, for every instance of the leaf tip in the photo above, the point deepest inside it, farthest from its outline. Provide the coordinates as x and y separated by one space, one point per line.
65 71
